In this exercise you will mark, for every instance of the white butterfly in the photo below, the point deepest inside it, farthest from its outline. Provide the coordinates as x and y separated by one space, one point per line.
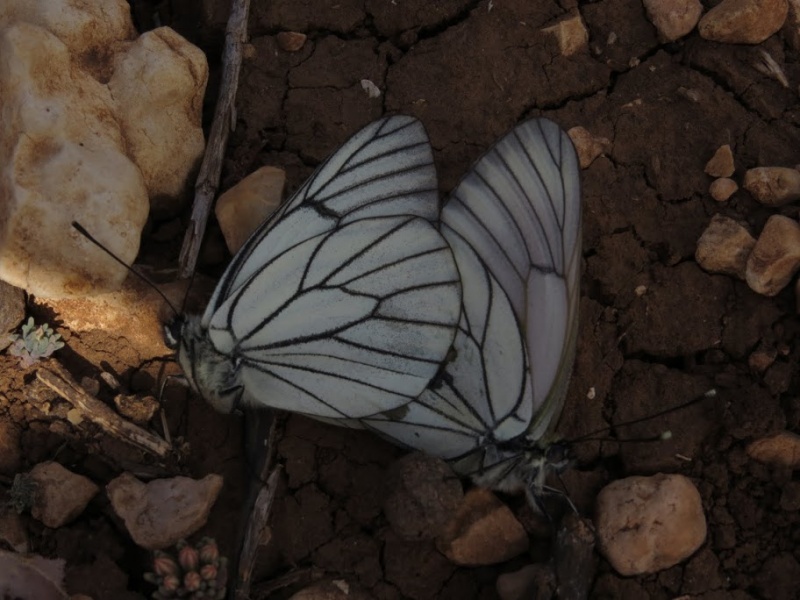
356 303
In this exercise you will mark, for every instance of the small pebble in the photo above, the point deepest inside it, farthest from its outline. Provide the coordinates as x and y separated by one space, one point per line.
722 189
775 257
159 513
761 359
647 524
242 208
291 41
483 531
773 186
139 409
724 247
673 19
721 164
779 450
571 34
60 495
743 21
587 146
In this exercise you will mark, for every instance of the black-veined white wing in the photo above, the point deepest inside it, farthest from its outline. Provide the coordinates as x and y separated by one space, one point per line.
386 169
346 301
514 225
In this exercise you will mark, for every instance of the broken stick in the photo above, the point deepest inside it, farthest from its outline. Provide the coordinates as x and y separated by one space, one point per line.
58 379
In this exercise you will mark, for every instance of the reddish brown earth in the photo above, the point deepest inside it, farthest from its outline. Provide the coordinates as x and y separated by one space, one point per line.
469 74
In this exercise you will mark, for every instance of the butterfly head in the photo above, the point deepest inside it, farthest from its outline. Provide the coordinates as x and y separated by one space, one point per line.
211 374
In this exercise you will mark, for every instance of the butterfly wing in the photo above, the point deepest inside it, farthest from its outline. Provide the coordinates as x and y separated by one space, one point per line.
514 226
346 301
386 169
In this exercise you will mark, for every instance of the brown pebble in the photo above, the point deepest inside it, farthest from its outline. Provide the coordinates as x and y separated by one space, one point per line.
776 256
773 186
721 164
291 41
724 247
743 21
779 450
722 189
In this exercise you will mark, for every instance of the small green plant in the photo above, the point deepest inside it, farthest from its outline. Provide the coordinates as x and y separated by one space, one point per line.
35 343
22 492
192 572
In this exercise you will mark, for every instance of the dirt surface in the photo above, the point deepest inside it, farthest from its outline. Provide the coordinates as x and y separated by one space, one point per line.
656 330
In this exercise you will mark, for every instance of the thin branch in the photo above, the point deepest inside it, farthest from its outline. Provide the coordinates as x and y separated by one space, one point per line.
58 379
223 123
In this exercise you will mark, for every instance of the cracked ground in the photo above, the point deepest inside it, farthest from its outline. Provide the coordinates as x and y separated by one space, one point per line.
656 330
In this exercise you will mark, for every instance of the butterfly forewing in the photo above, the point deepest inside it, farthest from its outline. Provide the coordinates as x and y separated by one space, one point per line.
386 169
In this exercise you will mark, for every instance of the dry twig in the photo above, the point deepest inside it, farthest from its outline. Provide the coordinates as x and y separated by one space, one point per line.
61 382
223 123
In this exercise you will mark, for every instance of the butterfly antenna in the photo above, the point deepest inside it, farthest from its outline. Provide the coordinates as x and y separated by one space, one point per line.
664 435
141 276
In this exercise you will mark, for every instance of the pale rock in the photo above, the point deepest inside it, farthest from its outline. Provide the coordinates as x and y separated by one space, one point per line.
62 157
773 186
12 313
60 495
743 21
647 524
587 146
776 256
31 577
721 164
722 189
483 531
421 495
242 208
10 452
88 29
779 450
724 247
291 41
571 34
13 531
673 19
159 513
158 85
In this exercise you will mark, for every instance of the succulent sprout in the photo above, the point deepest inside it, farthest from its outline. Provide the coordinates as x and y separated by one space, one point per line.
192 571
35 343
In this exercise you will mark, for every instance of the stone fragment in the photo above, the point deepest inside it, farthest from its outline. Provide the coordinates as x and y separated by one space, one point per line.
721 164
159 513
775 257
773 186
587 146
60 495
673 19
31 577
422 495
158 86
724 247
743 21
483 531
722 189
242 208
139 409
524 583
779 450
646 524
571 34
291 41
761 359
